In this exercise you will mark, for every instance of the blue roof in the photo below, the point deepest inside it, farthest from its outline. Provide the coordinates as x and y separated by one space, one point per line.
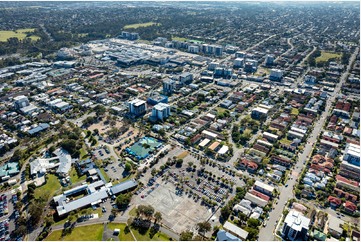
40 127
225 236
123 186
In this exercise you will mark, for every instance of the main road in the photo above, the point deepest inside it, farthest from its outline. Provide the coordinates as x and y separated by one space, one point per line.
286 192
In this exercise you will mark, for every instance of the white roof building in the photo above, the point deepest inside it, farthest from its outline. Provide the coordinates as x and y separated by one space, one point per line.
209 134
204 143
294 223
62 160
223 150
235 230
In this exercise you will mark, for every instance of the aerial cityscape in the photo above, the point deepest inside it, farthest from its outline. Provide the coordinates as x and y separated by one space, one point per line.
159 121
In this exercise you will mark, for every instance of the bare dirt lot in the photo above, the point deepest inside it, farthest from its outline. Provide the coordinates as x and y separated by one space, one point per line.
103 128
179 212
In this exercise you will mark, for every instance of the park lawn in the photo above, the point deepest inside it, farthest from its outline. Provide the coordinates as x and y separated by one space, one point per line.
159 236
74 178
122 236
20 34
294 111
84 233
178 38
140 25
182 155
325 56
47 190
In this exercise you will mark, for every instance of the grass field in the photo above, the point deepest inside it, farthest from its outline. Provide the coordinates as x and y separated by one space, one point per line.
48 190
159 236
74 176
83 233
178 38
106 177
140 25
325 56
294 111
83 153
122 236
182 155
20 34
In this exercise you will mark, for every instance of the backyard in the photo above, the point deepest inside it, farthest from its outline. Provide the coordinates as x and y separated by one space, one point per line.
294 111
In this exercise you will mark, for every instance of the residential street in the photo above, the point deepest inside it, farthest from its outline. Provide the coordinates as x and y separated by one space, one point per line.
266 233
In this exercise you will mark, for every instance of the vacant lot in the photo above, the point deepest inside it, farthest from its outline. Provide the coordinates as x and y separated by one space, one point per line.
182 155
325 56
83 233
20 34
178 212
135 26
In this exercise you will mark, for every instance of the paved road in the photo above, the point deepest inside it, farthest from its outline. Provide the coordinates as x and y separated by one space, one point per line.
266 233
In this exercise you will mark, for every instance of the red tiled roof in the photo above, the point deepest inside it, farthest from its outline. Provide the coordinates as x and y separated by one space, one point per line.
345 180
320 168
350 206
260 195
334 200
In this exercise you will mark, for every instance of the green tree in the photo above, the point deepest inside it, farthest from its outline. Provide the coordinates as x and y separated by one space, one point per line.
253 223
186 235
128 167
123 200
158 217
225 212
203 227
